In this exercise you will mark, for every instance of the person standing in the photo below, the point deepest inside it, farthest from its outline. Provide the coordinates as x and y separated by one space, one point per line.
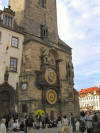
89 124
71 123
77 124
38 117
95 120
65 125
29 124
25 124
3 126
82 122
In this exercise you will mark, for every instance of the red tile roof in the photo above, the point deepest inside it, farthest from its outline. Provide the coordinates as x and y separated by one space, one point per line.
90 90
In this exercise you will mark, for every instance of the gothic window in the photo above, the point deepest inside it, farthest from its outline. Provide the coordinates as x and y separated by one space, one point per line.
42 3
44 31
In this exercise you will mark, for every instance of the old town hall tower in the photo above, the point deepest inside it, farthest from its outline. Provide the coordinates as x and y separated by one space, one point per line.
32 15
46 79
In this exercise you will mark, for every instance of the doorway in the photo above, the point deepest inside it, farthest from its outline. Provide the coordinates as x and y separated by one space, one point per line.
52 115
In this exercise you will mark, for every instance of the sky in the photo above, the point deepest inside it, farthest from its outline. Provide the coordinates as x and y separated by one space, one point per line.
79 27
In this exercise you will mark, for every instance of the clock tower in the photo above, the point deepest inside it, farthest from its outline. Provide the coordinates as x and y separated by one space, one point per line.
47 73
32 14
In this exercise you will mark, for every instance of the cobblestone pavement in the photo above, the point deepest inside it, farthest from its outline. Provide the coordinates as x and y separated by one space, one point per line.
49 130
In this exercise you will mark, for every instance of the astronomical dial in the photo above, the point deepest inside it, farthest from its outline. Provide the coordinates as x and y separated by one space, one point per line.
50 76
51 96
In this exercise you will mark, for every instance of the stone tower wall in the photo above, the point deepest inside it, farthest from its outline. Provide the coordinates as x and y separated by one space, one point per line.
31 16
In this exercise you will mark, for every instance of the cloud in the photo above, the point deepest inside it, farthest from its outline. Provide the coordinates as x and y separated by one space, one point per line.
3 3
1 6
81 19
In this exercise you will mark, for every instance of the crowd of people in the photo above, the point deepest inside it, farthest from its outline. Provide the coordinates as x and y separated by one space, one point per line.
85 123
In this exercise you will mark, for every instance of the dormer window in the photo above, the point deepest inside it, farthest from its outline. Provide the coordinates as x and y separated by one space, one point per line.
42 3
7 21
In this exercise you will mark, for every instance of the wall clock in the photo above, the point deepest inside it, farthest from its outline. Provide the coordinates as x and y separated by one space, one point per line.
24 86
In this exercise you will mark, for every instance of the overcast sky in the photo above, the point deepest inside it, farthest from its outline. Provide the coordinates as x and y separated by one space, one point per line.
79 27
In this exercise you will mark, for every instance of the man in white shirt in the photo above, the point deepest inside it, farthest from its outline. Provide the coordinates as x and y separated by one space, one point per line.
2 126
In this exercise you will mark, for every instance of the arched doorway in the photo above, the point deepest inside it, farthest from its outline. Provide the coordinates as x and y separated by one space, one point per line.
4 102
52 115
7 99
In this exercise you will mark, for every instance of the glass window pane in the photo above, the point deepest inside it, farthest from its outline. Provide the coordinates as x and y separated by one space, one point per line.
13 64
14 42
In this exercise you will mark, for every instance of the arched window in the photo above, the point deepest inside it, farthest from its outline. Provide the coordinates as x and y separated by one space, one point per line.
44 31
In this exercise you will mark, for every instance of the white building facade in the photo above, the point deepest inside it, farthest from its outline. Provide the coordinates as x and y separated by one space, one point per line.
89 99
11 47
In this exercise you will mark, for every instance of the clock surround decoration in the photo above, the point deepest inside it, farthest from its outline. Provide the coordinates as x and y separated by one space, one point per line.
51 96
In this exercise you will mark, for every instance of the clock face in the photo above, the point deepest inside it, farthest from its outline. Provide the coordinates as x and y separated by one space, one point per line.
50 76
51 96
24 86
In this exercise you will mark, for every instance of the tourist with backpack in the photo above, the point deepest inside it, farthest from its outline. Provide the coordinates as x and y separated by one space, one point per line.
29 124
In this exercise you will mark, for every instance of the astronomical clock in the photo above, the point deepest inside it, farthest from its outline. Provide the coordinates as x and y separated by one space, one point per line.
50 76
51 96
47 79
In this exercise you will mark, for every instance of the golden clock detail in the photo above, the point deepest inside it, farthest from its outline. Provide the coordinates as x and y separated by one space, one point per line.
50 76
51 96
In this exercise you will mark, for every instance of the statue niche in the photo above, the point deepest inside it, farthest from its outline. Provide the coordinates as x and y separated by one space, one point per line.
48 57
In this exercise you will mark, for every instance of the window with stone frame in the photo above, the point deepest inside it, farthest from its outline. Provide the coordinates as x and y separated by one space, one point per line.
14 42
7 21
42 3
13 64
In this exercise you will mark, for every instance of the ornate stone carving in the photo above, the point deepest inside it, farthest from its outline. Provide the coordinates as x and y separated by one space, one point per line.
45 51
